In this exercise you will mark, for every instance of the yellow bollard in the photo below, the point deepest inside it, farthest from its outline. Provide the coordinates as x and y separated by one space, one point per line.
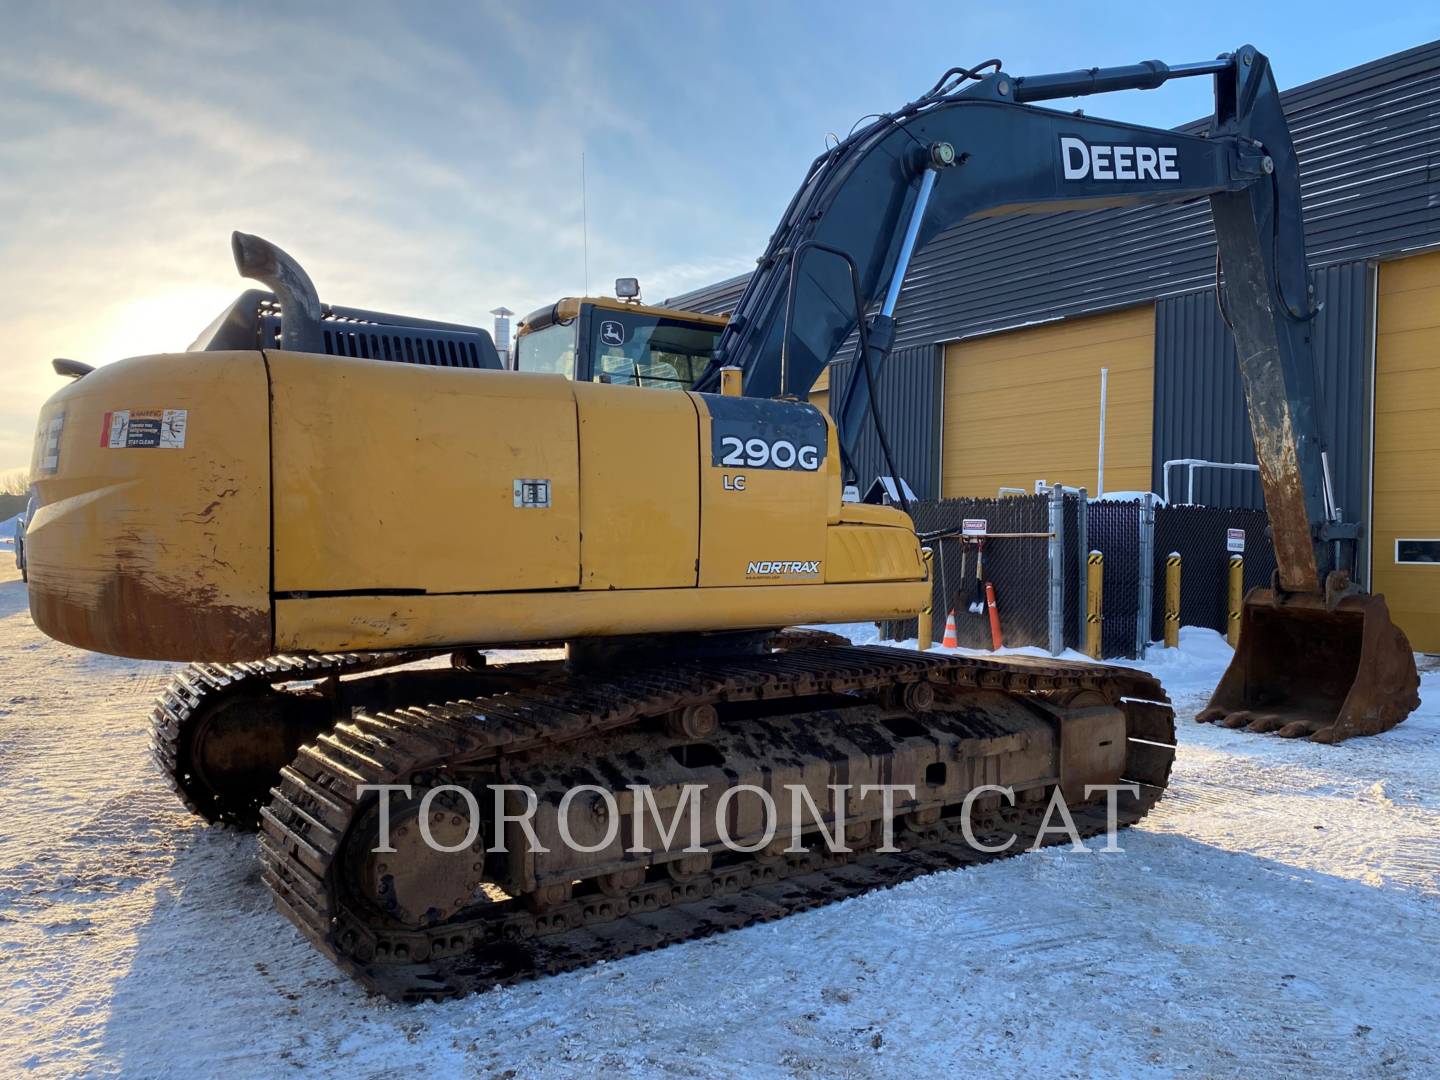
1095 602
925 631
1237 599
1172 600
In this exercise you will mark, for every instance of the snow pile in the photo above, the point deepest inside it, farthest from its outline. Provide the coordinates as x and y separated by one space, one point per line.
1279 912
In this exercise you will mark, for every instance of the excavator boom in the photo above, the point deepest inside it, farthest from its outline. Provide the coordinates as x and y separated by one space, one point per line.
973 147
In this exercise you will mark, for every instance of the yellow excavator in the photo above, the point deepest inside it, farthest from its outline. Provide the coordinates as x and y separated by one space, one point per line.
315 499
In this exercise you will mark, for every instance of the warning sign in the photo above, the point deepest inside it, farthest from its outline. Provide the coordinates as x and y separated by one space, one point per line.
48 437
1235 541
130 429
974 527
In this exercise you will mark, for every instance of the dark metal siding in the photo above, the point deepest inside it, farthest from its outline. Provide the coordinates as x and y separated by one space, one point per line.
717 299
1200 405
910 402
1368 140
1199 402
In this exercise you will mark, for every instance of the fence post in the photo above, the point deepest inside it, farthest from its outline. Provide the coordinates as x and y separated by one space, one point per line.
924 631
1172 600
1082 551
1237 599
1095 602
1057 570
1145 604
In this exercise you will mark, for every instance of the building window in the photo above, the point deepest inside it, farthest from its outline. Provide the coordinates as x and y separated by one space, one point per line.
1417 551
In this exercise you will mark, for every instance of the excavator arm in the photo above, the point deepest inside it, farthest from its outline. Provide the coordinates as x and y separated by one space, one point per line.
982 150
976 146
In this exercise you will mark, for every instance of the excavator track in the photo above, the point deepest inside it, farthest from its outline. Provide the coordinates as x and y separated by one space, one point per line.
197 692
317 820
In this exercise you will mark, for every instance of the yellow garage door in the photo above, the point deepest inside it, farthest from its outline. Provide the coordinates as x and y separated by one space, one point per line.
1025 405
1405 560
820 392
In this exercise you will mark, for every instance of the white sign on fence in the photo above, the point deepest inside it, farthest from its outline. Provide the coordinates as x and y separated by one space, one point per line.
1235 541
974 526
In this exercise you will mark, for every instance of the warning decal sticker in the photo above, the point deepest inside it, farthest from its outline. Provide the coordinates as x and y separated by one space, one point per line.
47 439
142 428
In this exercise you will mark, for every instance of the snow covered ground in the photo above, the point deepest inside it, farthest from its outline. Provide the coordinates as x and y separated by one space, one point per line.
1279 912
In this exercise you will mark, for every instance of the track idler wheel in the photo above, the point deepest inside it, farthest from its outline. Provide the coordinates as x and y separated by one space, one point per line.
227 757
436 866
1305 668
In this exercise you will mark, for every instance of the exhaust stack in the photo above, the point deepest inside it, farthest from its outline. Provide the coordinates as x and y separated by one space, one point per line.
300 312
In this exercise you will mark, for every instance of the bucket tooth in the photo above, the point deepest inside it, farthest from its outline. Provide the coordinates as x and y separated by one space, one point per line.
1324 672
1266 722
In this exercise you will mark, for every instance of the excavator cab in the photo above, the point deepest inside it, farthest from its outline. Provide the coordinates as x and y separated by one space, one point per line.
609 340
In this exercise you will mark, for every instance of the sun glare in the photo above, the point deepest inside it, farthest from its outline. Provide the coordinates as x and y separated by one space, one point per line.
163 322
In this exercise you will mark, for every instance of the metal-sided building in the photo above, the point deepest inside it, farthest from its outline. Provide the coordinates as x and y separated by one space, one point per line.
1006 323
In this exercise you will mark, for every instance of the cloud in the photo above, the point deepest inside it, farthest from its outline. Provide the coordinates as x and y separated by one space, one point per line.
409 168
426 158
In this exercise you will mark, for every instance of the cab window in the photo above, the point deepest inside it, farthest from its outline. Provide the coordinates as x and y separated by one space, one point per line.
550 351
634 349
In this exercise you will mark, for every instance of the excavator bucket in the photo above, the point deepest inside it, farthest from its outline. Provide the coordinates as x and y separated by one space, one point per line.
1326 672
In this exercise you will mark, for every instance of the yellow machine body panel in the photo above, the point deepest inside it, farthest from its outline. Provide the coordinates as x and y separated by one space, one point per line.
152 532
639 504
417 507
762 525
357 623
398 477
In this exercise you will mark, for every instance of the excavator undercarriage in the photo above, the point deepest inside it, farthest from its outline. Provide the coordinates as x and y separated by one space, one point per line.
838 722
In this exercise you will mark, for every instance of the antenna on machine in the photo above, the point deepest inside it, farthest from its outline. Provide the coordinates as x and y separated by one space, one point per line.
584 224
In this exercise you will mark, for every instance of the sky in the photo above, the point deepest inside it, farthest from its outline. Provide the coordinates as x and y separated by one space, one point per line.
426 158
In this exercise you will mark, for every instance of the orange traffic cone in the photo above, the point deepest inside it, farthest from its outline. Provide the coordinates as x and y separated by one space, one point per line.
951 640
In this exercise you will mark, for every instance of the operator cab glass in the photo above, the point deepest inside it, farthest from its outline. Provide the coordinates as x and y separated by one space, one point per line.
619 345
637 349
549 351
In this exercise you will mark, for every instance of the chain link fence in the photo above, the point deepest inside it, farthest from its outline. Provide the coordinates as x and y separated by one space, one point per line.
1076 539
1014 561
1201 537
1034 554
1115 532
